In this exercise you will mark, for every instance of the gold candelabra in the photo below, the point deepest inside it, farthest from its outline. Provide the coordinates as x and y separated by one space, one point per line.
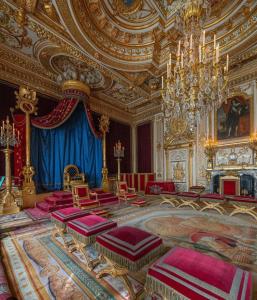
27 102
253 146
210 150
9 137
104 128
118 151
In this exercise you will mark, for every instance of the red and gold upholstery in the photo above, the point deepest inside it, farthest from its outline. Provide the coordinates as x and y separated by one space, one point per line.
60 218
187 274
124 192
85 229
127 249
81 197
129 246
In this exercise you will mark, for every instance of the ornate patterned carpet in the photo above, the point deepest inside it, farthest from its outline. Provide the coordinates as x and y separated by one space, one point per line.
45 270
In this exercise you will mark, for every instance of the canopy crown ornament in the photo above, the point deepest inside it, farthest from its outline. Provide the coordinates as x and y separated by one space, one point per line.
198 82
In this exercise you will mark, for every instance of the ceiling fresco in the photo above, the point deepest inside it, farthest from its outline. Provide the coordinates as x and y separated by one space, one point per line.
119 47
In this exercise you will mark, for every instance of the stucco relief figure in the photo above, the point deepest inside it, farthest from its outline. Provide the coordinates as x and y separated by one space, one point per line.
178 172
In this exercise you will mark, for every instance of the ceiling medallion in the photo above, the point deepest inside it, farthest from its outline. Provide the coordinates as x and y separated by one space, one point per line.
127 7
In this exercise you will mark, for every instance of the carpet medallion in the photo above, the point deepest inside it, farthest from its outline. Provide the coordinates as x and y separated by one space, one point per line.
41 268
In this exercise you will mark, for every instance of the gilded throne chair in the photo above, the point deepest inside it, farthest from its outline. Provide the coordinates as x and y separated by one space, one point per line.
71 177
124 192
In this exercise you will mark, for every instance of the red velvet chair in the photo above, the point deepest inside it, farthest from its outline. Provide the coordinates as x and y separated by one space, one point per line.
81 197
124 192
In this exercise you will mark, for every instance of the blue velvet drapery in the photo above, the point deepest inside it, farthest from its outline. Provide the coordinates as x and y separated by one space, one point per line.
71 143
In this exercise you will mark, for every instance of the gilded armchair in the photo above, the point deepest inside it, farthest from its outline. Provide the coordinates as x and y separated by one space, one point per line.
71 176
124 192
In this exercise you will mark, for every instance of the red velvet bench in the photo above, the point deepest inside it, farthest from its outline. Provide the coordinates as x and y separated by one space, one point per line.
189 199
127 249
84 231
169 198
187 274
213 201
243 205
60 218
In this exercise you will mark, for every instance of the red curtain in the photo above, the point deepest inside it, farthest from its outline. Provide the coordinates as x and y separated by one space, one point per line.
118 131
20 150
144 148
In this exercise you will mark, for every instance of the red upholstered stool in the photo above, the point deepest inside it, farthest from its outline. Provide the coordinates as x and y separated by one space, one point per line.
243 205
84 231
60 218
187 274
170 198
189 199
213 201
127 249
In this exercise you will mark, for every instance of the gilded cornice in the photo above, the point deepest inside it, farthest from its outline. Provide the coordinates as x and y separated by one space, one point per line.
100 106
20 76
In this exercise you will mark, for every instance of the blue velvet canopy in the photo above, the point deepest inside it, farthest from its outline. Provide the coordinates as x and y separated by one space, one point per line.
74 141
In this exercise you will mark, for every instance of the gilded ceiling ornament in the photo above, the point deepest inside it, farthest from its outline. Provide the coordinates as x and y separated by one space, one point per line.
127 7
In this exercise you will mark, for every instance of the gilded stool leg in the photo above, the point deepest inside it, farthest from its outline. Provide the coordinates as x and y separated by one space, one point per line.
60 232
244 210
81 247
216 206
116 270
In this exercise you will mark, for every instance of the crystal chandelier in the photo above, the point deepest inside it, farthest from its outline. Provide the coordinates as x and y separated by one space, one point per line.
198 82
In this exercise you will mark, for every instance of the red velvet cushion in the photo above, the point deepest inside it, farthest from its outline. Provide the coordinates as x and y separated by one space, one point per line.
229 187
189 194
247 199
131 195
169 193
130 242
88 202
91 224
82 191
200 276
67 214
212 196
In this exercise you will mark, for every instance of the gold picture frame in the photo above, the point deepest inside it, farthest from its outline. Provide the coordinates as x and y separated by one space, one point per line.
231 136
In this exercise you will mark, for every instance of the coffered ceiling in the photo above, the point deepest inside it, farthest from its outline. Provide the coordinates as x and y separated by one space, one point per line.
118 47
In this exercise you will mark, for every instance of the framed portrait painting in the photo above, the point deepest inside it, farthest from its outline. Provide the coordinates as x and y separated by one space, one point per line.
233 119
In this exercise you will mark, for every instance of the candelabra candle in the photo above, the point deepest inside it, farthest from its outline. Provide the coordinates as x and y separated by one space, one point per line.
118 150
118 154
8 135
